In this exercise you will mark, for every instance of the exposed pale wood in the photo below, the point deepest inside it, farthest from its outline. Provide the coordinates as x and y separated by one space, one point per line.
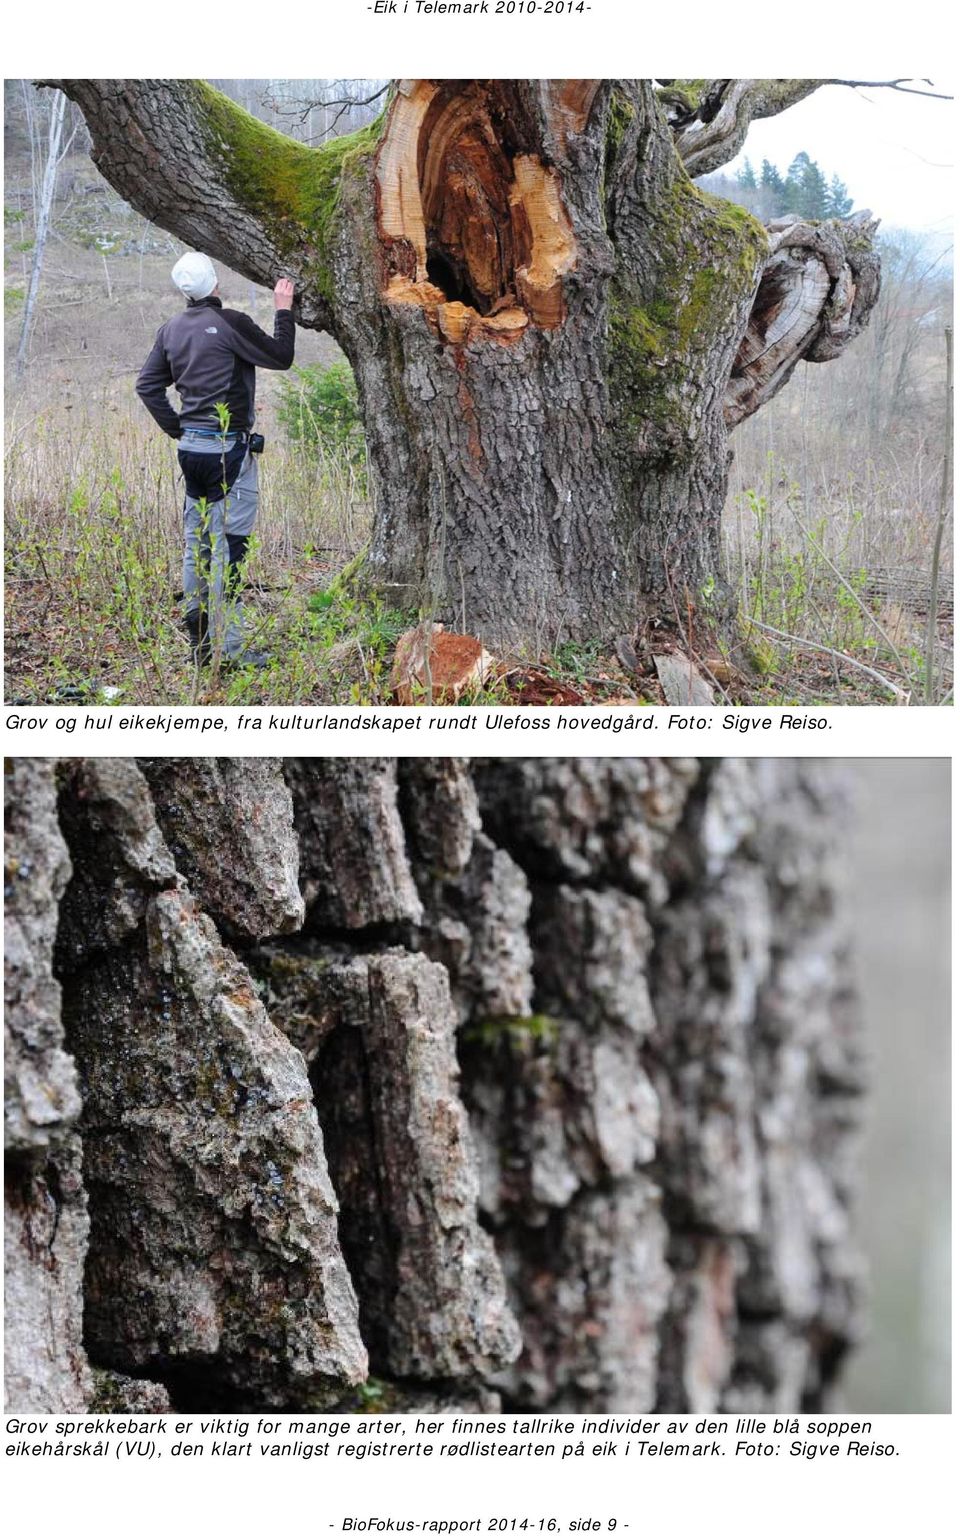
553 249
398 177
450 194
815 296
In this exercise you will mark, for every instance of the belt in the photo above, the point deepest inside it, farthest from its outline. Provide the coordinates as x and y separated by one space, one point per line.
241 435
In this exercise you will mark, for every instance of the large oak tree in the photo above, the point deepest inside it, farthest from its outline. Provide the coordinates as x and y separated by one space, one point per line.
552 327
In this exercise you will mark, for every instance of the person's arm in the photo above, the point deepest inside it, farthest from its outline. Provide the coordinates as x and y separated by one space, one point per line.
153 381
254 345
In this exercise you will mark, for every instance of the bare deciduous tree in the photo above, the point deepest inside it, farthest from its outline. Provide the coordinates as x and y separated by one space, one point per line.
44 209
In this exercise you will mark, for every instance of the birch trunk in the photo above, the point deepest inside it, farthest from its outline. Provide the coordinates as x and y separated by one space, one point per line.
42 225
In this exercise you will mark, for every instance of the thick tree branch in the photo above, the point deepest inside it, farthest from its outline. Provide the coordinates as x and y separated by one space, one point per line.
201 167
816 292
710 118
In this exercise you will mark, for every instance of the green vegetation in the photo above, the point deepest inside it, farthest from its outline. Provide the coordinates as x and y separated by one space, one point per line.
520 1033
100 240
686 93
804 190
710 253
93 574
376 1396
319 408
620 116
93 526
818 588
341 616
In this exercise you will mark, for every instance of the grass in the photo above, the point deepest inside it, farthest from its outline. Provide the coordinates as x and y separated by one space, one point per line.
828 530
839 573
834 497
827 533
93 581
93 575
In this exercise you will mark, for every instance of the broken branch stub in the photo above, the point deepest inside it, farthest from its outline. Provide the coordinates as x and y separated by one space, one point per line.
816 291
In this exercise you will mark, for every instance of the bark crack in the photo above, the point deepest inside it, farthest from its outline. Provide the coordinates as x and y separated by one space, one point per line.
549 1101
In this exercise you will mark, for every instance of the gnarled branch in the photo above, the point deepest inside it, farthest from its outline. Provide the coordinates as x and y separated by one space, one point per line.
815 295
710 118
196 164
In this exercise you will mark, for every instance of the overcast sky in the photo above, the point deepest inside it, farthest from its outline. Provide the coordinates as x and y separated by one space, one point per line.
893 151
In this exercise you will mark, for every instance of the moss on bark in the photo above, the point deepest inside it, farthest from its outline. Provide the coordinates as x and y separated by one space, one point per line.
294 189
708 260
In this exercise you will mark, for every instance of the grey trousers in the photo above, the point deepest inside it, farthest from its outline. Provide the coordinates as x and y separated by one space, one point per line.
215 538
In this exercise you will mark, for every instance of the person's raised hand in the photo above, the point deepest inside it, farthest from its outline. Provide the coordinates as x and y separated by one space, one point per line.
283 294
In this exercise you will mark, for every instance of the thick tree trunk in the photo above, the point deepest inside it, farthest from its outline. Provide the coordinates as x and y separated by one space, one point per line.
516 1085
547 320
545 417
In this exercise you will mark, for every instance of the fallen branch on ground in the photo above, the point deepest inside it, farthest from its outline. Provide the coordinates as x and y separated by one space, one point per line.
827 650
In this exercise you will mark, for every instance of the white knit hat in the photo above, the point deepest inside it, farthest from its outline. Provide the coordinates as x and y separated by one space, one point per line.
194 275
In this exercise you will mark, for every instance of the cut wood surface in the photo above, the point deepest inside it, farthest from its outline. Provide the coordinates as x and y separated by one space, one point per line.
681 682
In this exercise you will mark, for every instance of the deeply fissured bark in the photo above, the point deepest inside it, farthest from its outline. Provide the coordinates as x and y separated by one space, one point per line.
580 1119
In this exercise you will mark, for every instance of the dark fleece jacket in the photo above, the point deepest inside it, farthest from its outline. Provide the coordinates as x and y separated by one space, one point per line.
211 355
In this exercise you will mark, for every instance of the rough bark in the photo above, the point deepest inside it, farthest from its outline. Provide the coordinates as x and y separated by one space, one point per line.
710 118
45 1206
546 320
550 1101
207 805
214 1262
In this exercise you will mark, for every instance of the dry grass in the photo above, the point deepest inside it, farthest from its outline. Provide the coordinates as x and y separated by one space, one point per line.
93 580
93 572
831 518
827 532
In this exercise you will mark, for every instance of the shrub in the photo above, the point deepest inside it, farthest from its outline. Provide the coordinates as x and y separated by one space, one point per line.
319 407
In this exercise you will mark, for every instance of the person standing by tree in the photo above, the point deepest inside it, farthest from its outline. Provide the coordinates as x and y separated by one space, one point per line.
210 354
550 351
